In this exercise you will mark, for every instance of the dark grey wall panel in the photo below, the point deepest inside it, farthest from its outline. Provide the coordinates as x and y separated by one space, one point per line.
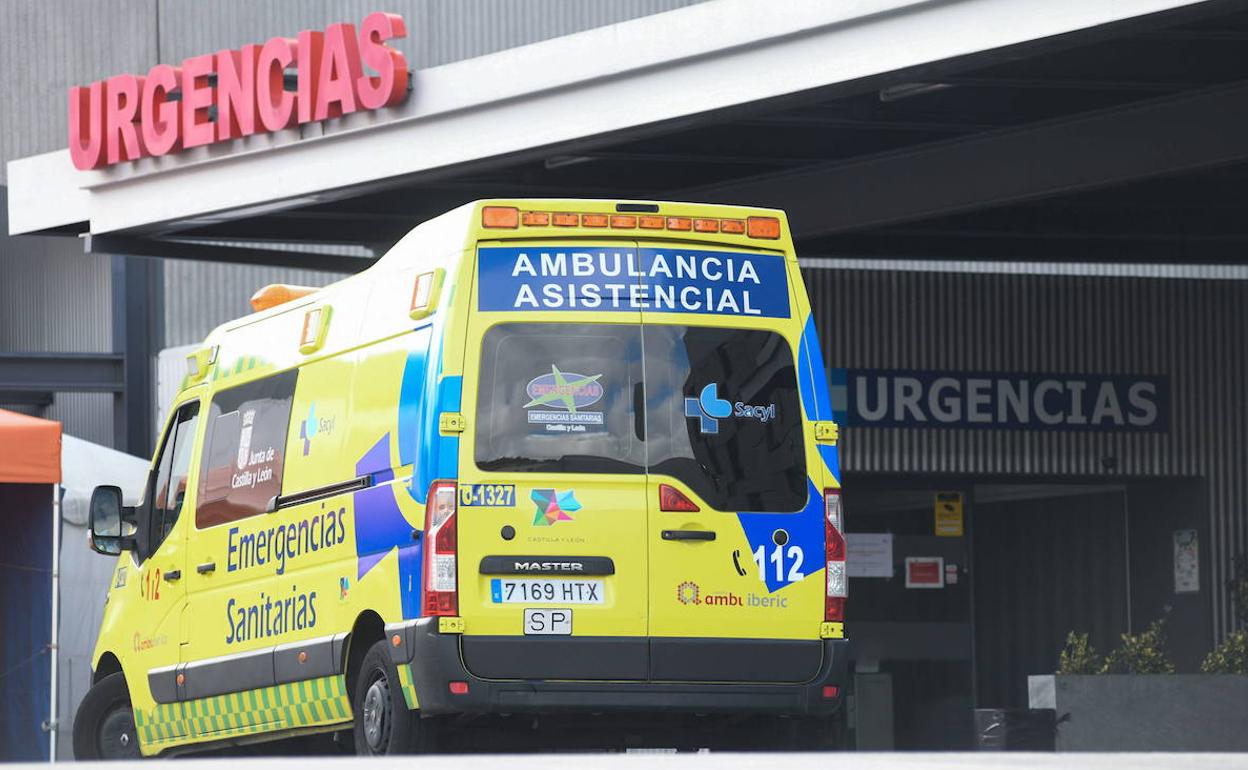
199 296
1193 331
46 46
439 31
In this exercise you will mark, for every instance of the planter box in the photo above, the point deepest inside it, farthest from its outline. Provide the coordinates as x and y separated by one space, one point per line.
1146 712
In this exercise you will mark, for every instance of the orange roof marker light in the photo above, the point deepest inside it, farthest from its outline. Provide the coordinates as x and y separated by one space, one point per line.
679 223
278 294
763 227
566 219
650 222
594 220
535 219
733 226
497 217
706 225
625 221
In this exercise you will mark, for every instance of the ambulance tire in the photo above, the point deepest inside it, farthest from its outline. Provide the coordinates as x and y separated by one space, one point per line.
104 726
383 723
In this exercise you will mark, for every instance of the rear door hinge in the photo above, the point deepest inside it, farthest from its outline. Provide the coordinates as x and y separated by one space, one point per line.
827 432
451 422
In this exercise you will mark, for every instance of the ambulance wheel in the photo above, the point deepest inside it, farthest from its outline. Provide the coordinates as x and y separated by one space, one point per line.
383 723
104 726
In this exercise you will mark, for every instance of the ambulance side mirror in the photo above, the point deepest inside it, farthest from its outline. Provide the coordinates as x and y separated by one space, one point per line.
112 524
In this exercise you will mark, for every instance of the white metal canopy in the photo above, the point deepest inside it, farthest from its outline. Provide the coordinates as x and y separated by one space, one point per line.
556 94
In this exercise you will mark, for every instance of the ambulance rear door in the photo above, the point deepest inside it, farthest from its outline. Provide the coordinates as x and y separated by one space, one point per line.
736 532
552 488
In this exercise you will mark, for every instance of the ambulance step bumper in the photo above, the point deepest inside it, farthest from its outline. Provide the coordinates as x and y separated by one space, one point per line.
436 660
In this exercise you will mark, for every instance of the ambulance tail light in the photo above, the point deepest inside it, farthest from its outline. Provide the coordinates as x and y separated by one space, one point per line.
834 545
441 583
672 499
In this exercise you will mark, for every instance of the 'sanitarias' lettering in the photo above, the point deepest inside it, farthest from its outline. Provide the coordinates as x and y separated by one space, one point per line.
127 117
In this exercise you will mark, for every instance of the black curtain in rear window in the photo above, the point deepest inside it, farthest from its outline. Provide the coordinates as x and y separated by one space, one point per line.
724 417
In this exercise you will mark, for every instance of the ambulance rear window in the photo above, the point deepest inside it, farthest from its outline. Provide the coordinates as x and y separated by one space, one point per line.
560 398
723 416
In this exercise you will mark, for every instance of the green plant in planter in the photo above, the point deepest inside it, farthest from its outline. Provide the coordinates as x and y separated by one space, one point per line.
1078 656
1143 653
1230 657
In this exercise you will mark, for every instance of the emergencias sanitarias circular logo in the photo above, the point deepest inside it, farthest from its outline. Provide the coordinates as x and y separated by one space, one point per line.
687 592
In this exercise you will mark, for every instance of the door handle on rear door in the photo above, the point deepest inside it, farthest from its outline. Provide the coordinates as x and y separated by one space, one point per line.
688 534
173 574
208 566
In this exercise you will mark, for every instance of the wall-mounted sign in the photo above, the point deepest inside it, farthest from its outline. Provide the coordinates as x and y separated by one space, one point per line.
948 514
925 572
1186 561
891 398
869 554
230 94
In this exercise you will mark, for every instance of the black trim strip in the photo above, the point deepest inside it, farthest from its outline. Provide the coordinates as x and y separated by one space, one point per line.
547 565
249 670
320 493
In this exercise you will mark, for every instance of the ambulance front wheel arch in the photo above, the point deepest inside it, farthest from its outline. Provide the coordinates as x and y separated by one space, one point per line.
104 725
382 722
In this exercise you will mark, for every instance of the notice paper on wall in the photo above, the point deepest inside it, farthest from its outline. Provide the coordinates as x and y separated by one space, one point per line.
869 555
1186 562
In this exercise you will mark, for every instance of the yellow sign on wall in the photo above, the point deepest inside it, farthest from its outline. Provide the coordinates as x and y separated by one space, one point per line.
949 514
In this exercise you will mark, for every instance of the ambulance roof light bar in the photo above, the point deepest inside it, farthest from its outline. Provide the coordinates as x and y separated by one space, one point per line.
512 218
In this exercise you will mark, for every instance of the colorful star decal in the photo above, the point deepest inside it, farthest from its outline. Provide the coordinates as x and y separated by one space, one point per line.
563 391
553 506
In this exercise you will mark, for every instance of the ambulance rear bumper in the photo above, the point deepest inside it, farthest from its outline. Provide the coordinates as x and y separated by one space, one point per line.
436 660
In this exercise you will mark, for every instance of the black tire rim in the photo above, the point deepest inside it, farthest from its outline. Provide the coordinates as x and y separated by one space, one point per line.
376 719
118 738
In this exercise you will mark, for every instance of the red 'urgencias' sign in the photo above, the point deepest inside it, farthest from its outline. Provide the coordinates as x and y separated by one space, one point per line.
127 117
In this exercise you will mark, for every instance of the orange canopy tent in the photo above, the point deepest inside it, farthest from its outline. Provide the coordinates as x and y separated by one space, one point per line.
30 449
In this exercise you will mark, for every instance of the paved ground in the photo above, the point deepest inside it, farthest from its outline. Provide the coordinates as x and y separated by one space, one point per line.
949 761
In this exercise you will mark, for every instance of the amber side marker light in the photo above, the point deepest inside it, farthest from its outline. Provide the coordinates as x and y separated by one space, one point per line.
500 217
763 227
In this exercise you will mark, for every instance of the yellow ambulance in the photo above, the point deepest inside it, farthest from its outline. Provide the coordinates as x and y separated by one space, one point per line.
544 457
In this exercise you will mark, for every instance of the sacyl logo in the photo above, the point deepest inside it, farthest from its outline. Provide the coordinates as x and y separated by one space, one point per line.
709 408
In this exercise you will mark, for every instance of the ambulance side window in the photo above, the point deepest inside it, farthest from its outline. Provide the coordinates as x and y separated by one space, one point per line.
168 488
241 469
